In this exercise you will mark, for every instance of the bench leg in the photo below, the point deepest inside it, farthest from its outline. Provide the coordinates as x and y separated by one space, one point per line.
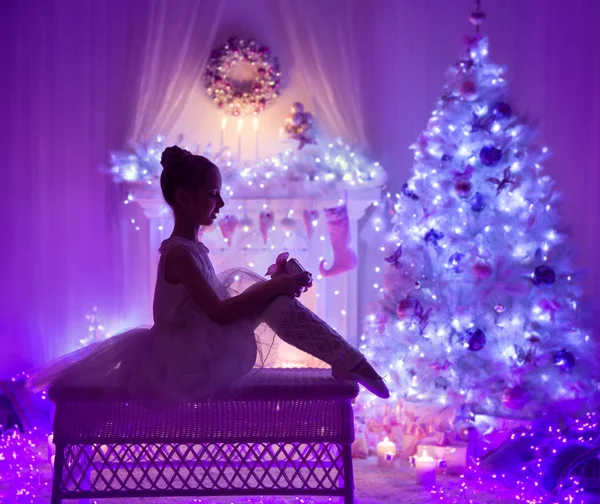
59 460
348 474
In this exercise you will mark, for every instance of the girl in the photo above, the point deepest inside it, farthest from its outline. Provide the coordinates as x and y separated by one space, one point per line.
203 335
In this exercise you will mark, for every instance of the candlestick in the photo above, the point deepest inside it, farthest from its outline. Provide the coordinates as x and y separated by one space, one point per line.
240 124
255 124
383 449
425 467
223 127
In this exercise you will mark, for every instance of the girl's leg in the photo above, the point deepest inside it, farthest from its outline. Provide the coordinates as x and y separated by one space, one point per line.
298 326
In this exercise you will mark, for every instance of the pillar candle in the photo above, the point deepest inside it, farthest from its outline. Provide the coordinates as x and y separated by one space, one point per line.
426 467
384 449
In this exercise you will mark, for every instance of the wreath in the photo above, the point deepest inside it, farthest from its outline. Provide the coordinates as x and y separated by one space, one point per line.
242 77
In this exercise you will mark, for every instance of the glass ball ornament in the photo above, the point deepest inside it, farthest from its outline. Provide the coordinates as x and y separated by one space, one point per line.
475 339
468 90
482 270
490 155
564 360
515 398
477 202
454 262
543 275
499 308
463 188
501 110
405 308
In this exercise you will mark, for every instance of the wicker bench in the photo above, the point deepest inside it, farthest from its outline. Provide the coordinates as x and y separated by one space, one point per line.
283 432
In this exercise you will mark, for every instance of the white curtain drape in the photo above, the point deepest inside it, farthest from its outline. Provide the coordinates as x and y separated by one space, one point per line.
177 43
324 39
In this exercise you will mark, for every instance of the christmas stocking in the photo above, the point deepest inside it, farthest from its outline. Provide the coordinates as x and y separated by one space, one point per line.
297 325
338 225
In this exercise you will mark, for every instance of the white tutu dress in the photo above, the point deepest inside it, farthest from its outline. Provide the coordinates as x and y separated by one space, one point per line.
184 356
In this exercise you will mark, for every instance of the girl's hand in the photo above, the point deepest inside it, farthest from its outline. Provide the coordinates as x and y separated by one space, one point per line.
291 285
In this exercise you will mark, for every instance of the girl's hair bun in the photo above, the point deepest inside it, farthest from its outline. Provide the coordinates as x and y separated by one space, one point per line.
173 158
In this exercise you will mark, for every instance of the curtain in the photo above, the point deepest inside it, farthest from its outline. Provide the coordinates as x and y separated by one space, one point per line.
179 39
325 43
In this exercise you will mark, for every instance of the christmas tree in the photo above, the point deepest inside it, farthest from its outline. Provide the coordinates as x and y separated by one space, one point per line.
479 306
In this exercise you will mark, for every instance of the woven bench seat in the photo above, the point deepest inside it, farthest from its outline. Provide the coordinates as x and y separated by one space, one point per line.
281 432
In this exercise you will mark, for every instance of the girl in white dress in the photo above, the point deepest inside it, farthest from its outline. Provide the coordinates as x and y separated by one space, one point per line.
203 336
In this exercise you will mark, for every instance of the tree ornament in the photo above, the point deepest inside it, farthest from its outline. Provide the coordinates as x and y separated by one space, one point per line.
432 237
475 339
394 259
405 308
564 360
409 193
543 275
482 270
499 308
490 155
515 398
477 17
477 202
454 262
507 180
480 124
501 110
468 90
463 188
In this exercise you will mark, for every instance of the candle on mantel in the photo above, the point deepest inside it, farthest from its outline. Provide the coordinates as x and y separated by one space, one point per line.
240 125
386 453
223 127
255 124
426 467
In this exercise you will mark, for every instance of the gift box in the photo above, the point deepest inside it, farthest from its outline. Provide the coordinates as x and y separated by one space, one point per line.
495 431
455 455
420 421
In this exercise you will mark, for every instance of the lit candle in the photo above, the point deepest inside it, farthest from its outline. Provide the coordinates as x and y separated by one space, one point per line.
426 467
255 124
385 448
223 126
239 138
